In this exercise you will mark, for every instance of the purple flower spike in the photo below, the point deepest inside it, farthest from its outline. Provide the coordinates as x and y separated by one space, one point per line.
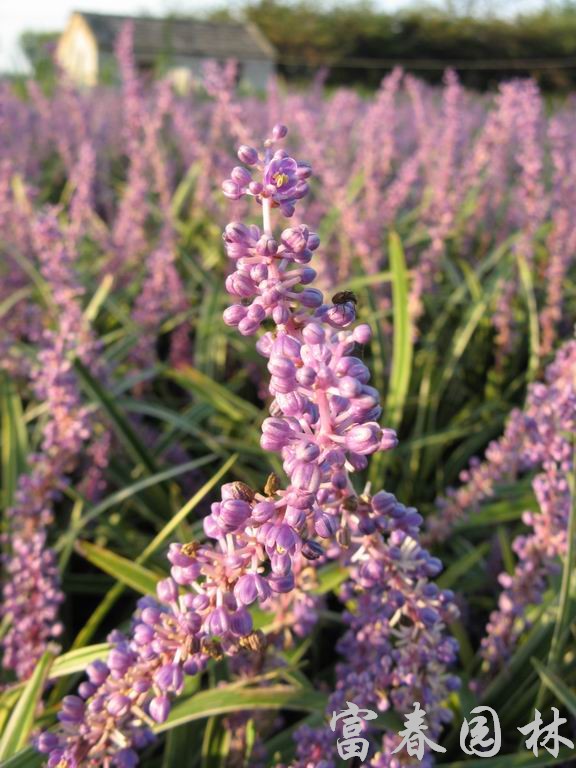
262 544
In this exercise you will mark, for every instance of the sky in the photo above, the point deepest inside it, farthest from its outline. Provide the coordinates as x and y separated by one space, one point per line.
17 16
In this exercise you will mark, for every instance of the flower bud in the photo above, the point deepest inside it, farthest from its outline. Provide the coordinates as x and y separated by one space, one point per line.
239 284
247 155
218 622
307 275
282 367
263 511
97 672
169 677
86 689
306 477
362 334
126 758
313 333
241 623
233 514
241 176
236 232
231 190
349 387
234 315
47 742
312 550
276 433
295 518
313 241
282 584
72 710
185 576
287 209
167 590
279 131
310 297
143 634
282 539
118 705
429 616
159 708
325 526
281 314
304 170
295 238
389 440
250 587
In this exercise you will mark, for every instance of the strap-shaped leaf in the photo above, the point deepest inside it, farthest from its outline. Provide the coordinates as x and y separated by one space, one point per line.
227 699
126 571
403 339
20 724
557 686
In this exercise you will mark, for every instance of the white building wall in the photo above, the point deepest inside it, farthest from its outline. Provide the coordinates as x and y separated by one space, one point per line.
77 52
257 72
254 73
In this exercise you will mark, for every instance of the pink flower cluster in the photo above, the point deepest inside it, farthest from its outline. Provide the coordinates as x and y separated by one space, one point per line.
31 592
537 441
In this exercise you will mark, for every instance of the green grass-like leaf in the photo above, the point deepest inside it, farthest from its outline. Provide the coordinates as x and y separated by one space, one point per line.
26 758
132 443
14 439
533 324
77 661
226 699
221 398
87 632
557 686
403 339
129 573
17 731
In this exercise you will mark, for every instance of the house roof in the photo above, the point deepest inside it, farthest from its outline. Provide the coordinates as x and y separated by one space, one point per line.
182 37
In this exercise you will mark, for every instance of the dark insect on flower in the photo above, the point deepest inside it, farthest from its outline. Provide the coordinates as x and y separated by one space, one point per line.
191 646
212 648
344 297
312 550
242 491
255 641
343 537
272 485
191 548
350 504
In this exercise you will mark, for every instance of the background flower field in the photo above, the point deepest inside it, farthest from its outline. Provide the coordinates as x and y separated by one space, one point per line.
126 401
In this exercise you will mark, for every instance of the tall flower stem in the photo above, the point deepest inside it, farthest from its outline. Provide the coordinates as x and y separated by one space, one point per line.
266 217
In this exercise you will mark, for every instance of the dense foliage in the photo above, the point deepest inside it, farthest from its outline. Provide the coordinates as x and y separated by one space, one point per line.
357 39
205 507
